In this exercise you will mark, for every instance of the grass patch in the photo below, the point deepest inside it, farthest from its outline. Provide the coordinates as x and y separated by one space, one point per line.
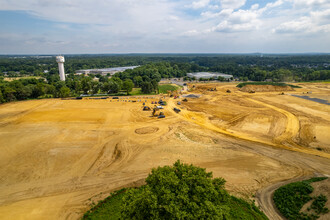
110 208
137 91
241 209
289 199
241 85
167 87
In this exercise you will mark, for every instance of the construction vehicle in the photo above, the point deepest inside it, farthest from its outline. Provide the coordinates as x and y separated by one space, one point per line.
228 91
176 110
146 108
161 116
185 100
155 110
173 93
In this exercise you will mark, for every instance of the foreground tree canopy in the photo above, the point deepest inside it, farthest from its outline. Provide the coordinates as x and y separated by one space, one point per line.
180 191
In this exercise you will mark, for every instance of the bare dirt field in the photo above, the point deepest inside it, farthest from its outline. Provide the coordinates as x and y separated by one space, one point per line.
59 156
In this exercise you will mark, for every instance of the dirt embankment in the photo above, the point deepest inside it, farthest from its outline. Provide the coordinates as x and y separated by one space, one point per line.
266 88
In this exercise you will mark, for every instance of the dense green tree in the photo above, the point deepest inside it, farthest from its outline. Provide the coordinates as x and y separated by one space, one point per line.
38 90
9 94
95 87
138 81
77 86
86 84
50 89
105 87
128 85
146 87
2 99
114 86
64 92
180 191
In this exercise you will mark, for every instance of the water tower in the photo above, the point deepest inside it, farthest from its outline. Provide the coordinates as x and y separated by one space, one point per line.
60 60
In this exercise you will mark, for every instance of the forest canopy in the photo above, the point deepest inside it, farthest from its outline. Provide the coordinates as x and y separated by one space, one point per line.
37 76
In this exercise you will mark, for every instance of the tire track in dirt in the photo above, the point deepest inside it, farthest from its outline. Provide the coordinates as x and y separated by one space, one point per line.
293 127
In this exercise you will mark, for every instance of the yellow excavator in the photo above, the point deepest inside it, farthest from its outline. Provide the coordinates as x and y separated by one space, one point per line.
155 110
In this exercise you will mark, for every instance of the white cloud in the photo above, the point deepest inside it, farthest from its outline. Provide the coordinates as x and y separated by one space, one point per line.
239 21
255 7
232 4
300 25
321 17
311 3
199 4
169 25
313 22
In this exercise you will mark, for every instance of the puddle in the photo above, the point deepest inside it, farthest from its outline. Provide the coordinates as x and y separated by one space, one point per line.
321 101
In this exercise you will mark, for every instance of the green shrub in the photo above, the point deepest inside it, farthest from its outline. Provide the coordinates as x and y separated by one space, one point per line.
318 204
289 199
241 85
167 87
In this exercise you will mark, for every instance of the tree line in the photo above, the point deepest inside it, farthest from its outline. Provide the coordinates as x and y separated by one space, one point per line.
152 68
255 67
145 77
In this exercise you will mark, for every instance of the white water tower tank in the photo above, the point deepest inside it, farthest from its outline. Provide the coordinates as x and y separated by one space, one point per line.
60 60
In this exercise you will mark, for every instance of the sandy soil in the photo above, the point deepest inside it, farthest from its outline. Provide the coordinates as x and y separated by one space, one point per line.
60 155
266 88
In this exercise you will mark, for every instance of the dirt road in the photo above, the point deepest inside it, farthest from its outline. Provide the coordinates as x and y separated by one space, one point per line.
264 197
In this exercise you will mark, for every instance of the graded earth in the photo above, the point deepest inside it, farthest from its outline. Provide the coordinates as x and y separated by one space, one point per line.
59 156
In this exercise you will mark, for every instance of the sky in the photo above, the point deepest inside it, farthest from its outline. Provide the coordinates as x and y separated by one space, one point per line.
164 26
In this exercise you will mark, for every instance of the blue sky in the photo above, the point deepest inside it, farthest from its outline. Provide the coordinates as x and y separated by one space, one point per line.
164 26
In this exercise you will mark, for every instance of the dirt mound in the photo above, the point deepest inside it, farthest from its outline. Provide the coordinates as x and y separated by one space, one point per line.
266 88
146 130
